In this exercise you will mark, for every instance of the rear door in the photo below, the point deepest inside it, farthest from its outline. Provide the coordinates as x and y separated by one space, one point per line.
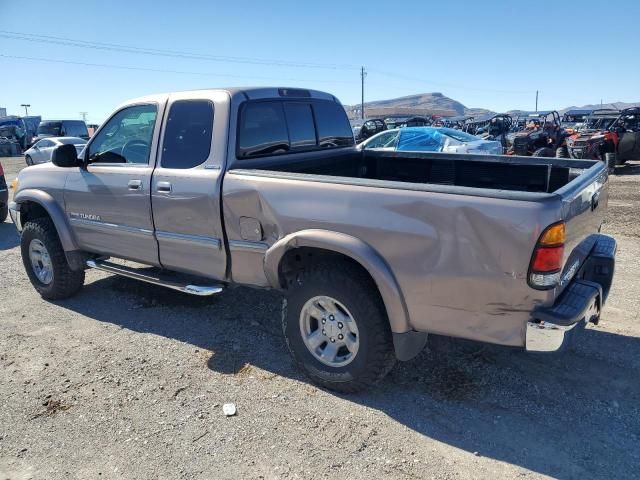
185 189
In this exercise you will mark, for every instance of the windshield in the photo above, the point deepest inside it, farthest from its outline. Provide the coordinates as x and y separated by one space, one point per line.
53 128
458 135
72 141
599 123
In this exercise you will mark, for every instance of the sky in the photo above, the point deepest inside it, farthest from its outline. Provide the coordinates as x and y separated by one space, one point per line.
489 54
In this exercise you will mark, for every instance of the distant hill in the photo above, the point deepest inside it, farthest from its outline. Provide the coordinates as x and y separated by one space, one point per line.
439 101
432 101
615 105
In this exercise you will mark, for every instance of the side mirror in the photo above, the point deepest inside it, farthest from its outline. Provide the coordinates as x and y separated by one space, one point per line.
65 156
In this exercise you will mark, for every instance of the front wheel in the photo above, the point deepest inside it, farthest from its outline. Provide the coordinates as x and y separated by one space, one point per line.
336 327
45 262
544 152
28 160
562 152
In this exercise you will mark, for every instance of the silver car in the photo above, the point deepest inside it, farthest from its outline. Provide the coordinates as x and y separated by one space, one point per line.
431 139
41 151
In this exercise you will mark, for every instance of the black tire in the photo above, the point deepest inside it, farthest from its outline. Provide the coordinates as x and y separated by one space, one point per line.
562 152
4 212
28 160
611 159
65 282
353 288
544 152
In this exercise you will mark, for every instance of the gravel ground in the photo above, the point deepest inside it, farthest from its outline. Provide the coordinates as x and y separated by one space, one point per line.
127 380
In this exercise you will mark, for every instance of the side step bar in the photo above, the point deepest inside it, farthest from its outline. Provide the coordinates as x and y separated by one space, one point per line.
200 290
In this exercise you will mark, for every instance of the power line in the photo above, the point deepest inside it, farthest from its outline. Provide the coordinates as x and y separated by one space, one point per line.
157 70
48 39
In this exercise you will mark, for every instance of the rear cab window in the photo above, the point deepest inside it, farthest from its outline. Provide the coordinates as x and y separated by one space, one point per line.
276 127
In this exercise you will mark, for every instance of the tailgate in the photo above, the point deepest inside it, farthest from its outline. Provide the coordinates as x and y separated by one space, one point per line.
584 204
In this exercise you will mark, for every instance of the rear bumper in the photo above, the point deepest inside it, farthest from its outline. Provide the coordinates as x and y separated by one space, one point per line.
582 300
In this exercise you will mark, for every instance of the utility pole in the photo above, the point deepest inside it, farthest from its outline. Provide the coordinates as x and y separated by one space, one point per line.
26 106
536 100
84 116
362 75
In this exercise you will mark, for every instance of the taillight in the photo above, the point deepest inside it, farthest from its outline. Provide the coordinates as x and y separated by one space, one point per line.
546 261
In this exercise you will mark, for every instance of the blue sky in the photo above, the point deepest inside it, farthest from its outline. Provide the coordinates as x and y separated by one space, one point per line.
484 54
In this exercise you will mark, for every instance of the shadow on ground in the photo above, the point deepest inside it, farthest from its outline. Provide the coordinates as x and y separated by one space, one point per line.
567 417
629 168
9 237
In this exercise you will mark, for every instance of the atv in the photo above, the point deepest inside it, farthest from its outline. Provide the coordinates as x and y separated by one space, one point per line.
540 135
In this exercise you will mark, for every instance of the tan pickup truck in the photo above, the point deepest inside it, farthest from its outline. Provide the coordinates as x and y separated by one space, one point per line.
373 250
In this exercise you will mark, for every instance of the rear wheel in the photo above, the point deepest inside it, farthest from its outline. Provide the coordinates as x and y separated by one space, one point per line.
45 262
562 152
544 152
336 327
28 160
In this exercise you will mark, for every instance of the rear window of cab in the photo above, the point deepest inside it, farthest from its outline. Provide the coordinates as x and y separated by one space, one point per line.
277 127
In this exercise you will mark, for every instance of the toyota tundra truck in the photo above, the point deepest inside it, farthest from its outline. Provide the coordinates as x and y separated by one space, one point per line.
373 250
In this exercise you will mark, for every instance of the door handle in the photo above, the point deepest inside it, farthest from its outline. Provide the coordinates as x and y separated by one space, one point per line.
135 184
163 187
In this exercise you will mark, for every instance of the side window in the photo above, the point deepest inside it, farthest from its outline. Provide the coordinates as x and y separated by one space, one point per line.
187 137
386 139
45 144
126 138
332 123
263 129
302 132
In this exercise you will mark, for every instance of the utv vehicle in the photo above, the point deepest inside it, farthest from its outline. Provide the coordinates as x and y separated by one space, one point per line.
369 128
613 137
494 128
593 140
574 119
540 136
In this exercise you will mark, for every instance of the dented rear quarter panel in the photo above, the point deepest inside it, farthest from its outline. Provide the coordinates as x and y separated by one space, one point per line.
461 261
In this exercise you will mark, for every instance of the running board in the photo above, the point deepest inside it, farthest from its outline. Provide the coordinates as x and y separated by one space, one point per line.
200 290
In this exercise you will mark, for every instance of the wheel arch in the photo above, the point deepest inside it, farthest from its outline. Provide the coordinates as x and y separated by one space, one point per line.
34 203
352 248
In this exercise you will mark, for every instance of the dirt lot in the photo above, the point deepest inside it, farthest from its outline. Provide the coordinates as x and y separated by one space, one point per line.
128 380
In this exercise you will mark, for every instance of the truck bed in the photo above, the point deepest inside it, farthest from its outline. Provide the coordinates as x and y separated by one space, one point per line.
523 174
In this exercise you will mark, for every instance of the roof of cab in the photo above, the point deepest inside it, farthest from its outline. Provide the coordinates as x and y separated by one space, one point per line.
249 93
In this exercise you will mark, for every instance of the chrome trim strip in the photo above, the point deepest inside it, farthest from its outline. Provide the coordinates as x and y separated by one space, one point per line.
111 226
182 237
200 290
248 245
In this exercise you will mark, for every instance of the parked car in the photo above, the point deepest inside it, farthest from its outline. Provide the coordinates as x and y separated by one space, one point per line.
61 128
431 139
4 196
368 128
42 150
374 250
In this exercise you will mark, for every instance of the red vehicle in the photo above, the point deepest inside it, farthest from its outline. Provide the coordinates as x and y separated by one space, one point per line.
606 135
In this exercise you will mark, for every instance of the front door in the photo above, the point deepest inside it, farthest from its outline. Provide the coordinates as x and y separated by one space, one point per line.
185 189
109 202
